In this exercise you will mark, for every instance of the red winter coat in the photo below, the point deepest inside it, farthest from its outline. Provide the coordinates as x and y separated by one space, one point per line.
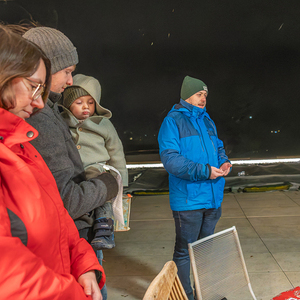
41 254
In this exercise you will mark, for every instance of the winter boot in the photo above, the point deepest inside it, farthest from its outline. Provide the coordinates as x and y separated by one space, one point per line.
103 227
104 234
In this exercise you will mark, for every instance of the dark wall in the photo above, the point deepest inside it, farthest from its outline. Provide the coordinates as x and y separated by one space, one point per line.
247 52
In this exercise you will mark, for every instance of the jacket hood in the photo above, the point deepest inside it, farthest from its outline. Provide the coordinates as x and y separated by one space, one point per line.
92 86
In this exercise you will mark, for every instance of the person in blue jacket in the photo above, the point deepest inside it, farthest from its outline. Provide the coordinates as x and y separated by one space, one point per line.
195 159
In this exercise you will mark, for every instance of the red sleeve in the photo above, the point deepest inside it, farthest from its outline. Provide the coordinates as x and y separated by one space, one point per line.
83 257
25 276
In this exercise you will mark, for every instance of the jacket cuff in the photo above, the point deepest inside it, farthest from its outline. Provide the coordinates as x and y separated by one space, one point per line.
224 161
209 170
98 275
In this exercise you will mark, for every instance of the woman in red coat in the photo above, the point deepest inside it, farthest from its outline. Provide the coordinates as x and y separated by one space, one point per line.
42 256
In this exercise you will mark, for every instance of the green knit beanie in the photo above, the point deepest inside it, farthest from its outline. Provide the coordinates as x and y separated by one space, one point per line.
71 94
190 86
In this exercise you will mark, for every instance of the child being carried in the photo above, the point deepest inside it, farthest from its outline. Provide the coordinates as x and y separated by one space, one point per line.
99 147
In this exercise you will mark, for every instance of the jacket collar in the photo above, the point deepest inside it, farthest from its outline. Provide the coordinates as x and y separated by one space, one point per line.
14 130
53 98
190 109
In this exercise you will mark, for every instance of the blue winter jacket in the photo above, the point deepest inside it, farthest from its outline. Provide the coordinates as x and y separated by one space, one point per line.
188 147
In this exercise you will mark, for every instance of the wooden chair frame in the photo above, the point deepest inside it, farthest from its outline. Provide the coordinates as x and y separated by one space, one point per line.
166 285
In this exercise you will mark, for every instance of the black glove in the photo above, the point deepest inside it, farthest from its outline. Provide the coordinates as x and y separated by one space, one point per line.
111 185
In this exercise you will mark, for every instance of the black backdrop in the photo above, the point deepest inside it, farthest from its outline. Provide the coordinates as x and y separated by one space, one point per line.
247 52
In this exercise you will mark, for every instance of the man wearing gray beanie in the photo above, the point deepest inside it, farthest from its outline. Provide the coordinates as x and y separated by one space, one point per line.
195 159
61 52
55 144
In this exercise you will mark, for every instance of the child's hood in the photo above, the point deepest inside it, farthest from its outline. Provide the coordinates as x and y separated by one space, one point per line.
92 86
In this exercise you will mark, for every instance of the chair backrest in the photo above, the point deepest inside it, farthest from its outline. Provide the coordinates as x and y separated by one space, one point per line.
219 267
166 285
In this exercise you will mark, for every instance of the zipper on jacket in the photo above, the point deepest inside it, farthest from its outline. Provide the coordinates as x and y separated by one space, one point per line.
212 142
200 134
212 190
203 143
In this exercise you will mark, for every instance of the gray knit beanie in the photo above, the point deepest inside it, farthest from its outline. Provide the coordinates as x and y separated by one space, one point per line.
191 86
57 47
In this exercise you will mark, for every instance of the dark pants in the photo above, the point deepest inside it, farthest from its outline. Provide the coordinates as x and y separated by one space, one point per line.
87 234
191 226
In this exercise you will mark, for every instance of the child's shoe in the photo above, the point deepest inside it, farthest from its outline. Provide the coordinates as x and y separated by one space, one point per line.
104 234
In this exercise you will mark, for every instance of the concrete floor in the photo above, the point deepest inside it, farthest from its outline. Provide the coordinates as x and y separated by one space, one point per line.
268 226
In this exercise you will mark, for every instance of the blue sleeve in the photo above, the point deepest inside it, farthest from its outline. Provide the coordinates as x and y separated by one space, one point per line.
170 153
222 157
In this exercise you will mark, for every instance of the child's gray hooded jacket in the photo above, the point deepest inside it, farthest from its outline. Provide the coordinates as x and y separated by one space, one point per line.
96 138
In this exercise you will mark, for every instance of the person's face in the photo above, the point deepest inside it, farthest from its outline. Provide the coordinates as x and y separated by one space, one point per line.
198 99
24 89
61 79
83 107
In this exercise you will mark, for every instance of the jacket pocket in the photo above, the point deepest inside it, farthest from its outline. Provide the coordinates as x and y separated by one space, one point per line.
199 193
219 191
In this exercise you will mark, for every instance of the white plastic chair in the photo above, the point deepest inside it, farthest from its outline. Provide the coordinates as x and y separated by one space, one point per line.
219 267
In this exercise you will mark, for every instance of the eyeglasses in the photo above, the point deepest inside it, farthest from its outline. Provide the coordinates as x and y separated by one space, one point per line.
36 88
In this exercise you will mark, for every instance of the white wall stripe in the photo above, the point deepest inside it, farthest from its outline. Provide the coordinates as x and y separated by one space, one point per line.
234 162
